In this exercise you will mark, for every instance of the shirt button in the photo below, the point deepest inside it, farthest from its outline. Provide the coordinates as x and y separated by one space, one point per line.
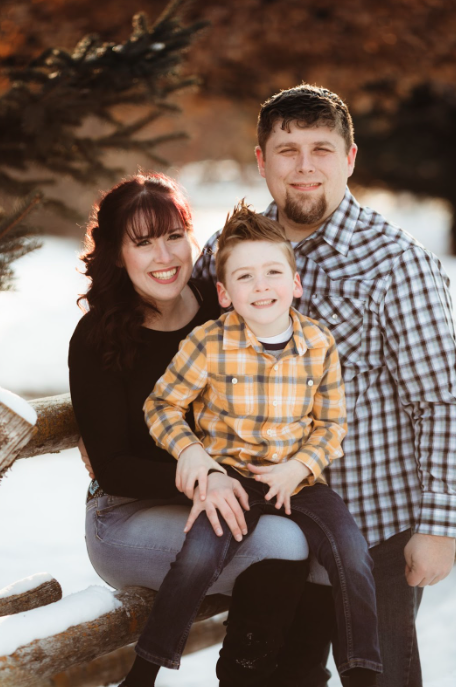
270 432
275 367
310 382
335 316
275 403
315 296
234 380
275 456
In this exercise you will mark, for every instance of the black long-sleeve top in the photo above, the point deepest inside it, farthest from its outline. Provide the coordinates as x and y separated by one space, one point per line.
108 406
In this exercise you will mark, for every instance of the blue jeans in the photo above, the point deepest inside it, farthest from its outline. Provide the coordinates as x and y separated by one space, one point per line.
333 537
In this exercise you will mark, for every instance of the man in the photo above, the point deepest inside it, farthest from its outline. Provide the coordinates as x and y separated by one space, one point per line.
386 300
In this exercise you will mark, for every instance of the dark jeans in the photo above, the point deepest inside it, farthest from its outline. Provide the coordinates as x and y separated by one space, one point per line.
303 657
334 539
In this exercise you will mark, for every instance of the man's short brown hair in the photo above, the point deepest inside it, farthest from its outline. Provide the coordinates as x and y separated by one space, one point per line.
246 225
305 106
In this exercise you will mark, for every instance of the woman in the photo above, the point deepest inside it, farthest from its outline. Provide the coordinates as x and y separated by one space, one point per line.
141 304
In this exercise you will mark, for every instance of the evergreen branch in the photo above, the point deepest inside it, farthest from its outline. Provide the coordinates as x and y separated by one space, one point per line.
15 218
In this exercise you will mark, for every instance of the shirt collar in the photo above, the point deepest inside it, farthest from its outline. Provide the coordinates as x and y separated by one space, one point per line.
236 334
338 229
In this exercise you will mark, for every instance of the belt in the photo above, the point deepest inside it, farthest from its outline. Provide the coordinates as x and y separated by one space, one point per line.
94 491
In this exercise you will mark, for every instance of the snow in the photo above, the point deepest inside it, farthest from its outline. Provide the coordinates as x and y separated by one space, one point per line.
81 607
25 585
18 406
42 499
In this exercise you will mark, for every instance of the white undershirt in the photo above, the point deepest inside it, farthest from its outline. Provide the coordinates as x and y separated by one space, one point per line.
278 338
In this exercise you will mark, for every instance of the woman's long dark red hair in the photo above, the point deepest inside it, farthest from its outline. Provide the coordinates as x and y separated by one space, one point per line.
151 202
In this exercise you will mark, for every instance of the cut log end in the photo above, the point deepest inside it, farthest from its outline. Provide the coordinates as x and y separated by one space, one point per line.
43 594
15 433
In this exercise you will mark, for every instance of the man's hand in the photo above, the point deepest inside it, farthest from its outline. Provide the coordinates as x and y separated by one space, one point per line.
85 458
226 495
193 465
282 479
428 558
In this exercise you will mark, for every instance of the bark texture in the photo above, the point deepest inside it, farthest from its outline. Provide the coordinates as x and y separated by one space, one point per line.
15 432
43 595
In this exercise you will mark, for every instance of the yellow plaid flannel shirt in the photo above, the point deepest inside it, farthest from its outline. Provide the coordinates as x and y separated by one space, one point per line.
249 406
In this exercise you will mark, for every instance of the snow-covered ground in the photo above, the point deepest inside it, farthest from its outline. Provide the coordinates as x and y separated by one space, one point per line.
42 499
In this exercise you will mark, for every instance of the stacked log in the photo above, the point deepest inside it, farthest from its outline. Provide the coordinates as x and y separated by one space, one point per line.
40 659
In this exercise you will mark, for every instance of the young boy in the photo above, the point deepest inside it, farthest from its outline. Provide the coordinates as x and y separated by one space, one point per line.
268 401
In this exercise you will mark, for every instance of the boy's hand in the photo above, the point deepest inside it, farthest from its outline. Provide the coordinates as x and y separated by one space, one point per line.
193 465
226 495
283 480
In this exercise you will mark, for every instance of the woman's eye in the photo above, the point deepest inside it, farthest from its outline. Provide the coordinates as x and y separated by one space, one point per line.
142 242
175 235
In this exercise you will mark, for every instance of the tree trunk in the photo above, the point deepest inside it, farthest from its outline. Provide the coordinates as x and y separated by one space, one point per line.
43 658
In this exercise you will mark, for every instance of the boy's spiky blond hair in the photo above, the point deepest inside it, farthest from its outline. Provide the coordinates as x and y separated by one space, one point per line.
243 224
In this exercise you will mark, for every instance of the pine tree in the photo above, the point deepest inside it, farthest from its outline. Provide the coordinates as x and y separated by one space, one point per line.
41 115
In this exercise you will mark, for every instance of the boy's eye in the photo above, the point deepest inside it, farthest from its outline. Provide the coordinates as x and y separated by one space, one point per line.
275 272
244 276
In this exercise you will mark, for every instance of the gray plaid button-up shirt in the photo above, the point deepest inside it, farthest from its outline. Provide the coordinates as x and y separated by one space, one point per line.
386 300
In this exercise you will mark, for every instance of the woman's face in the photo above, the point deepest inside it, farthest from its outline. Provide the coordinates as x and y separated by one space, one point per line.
159 268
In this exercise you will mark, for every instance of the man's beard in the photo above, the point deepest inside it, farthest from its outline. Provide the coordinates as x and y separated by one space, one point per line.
297 211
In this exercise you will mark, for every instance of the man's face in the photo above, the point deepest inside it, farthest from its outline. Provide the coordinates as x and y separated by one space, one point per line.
306 170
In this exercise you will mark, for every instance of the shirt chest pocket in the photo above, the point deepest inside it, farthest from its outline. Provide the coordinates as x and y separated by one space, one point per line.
234 394
344 318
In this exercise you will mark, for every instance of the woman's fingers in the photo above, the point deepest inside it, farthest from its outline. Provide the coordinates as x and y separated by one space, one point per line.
195 511
211 513
237 514
241 494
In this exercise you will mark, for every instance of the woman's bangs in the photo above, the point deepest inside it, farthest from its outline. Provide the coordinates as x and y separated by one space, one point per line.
153 222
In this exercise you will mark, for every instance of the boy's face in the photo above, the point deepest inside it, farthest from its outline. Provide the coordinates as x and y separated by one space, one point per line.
260 285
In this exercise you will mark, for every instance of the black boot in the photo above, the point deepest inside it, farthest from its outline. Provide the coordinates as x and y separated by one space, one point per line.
263 605
302 659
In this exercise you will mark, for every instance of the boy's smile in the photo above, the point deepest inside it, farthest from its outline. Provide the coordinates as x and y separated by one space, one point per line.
260 285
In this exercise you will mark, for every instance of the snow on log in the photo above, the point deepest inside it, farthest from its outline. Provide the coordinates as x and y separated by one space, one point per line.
31 592
56 427
46 641
17 421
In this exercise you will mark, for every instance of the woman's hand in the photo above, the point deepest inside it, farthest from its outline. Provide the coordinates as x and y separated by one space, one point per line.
282 480
85 458
226 495
193 465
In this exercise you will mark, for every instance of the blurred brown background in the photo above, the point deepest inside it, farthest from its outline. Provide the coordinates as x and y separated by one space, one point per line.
393 61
